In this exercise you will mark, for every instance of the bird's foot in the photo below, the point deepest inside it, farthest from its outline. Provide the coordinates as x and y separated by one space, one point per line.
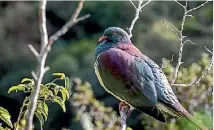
124 104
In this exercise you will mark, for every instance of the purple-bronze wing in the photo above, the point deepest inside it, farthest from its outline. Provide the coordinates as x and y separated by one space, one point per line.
129 78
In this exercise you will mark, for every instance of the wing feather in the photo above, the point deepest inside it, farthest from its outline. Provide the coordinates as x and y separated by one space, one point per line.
127 77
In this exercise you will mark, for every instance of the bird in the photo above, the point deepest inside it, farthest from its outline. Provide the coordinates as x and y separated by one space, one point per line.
135 79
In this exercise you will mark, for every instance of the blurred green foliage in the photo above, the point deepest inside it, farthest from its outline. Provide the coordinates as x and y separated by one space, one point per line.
73 54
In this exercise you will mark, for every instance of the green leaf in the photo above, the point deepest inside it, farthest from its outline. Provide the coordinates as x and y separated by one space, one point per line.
27 80
43 106
16 88
6 118
67 83
42 112
45 92
56 90
65 94
4 111
49 92
59 101
51 84
40 117
62 75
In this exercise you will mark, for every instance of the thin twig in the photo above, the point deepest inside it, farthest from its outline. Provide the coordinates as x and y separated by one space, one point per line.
34 75
73 20
137 13
208 50
201 5
180 4
205 72
181 37
42 56
40 65
145 4
189 41
34 51
133 4
163 63
172 29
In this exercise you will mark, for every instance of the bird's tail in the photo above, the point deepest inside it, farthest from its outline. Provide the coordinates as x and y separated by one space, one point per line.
194 121
178 110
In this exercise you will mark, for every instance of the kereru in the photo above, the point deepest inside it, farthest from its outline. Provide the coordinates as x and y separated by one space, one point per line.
132 77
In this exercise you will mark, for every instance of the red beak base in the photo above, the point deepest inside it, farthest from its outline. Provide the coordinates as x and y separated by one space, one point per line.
103 38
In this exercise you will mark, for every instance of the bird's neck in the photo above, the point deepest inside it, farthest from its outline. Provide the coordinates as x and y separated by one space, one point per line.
105 46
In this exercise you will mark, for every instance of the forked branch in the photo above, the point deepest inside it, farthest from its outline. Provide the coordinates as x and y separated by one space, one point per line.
44 50
137 13
182 41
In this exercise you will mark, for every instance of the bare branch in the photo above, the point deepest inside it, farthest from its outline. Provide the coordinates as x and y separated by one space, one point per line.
137 13
145 4
180 4
174 26
172 29
181 39
133 4
123 115
175 74
190 41
208 50
163 63
34 51
201 5
189 15
34 75
205 72
73 20
40 65
42 56
46 69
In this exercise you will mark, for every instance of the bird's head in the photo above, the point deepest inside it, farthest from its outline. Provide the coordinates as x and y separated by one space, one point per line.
115 35
112 37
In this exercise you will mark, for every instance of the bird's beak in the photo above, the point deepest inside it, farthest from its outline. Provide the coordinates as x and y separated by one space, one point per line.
103 38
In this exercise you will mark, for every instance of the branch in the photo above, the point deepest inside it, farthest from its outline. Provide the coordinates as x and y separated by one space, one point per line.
205 72
165 62
145 4
42 56
137 13
174 31
201 5
133 4
208 50
40 65
73 20
34 51
181 37
123 115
